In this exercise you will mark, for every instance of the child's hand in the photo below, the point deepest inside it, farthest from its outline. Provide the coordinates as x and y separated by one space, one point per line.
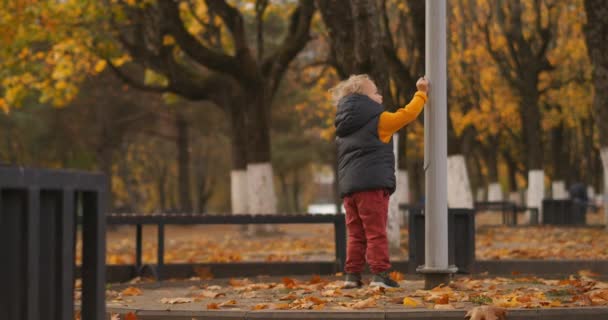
422 85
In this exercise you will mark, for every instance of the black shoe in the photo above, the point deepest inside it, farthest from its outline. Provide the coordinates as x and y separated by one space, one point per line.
352 281
383 279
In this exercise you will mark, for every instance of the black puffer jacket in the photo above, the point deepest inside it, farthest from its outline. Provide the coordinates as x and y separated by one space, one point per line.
364 162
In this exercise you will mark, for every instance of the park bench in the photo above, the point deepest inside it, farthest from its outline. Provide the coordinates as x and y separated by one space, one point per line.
564 212
509 211
161 220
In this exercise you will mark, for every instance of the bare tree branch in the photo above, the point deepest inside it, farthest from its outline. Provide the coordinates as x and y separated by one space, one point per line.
296 39
192 47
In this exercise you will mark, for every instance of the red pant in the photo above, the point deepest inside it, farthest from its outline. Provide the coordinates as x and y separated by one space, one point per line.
366 215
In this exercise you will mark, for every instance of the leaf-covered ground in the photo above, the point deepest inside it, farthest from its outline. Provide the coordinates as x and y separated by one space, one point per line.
316 242
319 293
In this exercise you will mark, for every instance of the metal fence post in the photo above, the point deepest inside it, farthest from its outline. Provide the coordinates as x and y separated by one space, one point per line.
33 252
93 256
160 251
340 238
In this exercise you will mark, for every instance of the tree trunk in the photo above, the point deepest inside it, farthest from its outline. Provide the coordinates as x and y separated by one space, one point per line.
261 194
296 192
238 173
494 188
560 162
160 188
596 35
183 162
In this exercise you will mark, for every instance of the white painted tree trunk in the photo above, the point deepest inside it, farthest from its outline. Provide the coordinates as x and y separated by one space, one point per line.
459 189
558 190
394 221
591 193
238 191
495 192
403 192
604 156
403 187
261 194
536 192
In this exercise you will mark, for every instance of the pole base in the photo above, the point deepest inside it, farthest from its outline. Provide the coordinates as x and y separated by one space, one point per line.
434 277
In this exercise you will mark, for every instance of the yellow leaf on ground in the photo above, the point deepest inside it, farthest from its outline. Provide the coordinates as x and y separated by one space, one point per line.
131 291
410 302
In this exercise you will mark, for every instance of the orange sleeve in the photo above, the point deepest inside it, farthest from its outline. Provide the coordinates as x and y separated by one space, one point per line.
391 122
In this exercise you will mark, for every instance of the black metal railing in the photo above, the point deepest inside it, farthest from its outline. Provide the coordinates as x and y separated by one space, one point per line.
161 220
38 210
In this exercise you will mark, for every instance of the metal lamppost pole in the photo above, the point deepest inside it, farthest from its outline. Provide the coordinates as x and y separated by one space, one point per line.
436 269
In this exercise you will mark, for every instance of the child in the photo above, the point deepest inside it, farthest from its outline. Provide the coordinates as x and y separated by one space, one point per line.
366 172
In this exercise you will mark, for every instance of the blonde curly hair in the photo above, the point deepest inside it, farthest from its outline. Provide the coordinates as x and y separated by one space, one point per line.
354 84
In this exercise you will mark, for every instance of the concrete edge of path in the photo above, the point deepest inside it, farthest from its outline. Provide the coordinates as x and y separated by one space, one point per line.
587 313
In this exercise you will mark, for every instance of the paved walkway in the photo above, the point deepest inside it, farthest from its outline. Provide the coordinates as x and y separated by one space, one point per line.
577 298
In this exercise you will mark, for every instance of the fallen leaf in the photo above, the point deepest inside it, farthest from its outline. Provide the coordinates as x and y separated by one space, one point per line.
316 300
208 294
260 306
227 303
178 300
213 306
367 303
290 296
487 313
443 307
315 279
289 282
318 307
587 273
444 299
239 282
130 316
249 295
331 293
410 302
280 306
131 291
114 316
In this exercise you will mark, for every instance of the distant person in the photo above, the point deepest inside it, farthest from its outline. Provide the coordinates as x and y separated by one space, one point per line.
578 193
366 172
